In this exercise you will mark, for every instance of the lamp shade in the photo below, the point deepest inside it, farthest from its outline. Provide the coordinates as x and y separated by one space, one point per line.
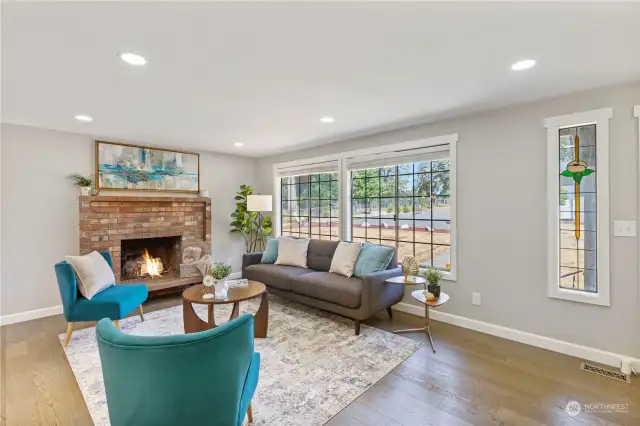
259 203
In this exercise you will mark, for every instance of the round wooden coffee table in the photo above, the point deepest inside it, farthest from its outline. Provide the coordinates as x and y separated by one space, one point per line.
193 323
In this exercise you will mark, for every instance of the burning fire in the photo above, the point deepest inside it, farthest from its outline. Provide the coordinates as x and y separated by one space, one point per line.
153 266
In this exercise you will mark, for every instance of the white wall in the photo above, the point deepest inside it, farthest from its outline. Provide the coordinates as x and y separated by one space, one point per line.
40 208
502 218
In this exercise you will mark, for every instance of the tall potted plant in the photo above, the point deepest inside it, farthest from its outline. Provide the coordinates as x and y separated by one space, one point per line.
248 224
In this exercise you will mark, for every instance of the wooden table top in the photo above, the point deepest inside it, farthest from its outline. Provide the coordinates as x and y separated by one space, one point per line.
412 280
420 297
234 295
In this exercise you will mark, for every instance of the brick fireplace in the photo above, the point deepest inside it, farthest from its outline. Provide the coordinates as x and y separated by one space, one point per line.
162 225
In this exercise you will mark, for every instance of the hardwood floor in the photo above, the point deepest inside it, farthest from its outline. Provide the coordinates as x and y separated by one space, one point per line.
473 379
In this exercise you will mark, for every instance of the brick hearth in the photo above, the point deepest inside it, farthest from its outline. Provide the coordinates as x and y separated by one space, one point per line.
107 220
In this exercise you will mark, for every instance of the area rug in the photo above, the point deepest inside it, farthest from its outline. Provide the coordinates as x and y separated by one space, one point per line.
312 364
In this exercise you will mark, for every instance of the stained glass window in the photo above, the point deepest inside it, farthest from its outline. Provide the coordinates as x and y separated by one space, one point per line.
578 208
310 206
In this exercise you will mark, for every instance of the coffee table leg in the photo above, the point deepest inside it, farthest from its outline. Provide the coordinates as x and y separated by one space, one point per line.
192 322
235 311
261 318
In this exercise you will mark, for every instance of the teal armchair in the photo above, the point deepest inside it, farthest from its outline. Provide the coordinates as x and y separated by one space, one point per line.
205 378
113 303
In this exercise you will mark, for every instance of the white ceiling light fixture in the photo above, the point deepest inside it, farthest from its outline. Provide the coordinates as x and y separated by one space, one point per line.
525 64
327 120
132 58
85 118
238 144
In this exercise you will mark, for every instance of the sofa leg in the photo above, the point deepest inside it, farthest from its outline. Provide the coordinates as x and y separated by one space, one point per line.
357 327
250 414
390 312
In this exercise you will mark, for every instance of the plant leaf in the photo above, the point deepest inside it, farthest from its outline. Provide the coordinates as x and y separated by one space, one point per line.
587 172
577 177
567 173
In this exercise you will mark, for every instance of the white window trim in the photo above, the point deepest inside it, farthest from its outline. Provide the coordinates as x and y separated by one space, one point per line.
601 118
344 232
636 113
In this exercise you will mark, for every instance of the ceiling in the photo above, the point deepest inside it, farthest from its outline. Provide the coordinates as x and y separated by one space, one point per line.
263 74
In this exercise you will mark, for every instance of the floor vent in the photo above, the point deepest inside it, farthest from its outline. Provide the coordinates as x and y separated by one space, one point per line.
606 373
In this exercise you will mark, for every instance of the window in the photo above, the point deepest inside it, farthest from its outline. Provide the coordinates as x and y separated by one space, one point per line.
578 181
405 205
400 194
309 206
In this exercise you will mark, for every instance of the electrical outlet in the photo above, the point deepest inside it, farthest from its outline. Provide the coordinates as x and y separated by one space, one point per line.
476 299
229 261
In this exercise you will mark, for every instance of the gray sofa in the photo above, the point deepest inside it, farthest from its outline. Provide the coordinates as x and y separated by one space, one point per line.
356 298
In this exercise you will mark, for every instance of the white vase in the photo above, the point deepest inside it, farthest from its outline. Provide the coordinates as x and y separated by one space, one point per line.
85 190
204 193
222 287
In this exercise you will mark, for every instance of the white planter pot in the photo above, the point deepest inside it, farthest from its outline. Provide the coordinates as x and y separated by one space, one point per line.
204 193
85 190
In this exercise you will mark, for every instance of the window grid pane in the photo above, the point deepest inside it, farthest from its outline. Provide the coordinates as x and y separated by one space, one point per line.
309 206
577 204
405 206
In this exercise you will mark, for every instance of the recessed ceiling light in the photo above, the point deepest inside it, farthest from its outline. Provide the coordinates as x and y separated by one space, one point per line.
525 64
85 118
132 58
326 120
238 144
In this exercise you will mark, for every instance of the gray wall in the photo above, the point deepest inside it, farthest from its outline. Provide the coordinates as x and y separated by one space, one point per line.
502 218
40 208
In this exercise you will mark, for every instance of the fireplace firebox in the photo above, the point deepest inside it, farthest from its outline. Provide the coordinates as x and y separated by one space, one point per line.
150 257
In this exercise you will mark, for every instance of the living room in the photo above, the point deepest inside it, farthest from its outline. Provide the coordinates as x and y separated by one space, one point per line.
309 213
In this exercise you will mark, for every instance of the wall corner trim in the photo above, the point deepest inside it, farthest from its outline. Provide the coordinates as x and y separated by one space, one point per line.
30 315
555 345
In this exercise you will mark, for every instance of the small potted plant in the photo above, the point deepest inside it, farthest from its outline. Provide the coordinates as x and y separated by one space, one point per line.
84 182
433 277
216 278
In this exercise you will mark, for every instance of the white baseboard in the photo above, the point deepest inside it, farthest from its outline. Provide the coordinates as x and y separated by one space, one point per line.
572 349
30 315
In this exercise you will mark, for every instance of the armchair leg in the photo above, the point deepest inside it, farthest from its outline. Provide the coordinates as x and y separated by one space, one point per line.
67 337
357 327
390 312
141 313
250 414
116 324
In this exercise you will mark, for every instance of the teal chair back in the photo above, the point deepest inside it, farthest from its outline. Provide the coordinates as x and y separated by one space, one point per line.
69 287
206 378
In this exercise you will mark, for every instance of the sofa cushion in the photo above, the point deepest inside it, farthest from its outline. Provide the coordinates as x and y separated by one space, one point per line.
330 287
344 259
292 251
320 254
373 258
277 276
270 254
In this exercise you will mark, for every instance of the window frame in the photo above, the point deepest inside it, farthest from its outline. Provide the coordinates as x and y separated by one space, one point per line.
553 125
344 182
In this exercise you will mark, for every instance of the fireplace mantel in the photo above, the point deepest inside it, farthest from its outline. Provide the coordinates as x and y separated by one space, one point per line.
106 220
112 198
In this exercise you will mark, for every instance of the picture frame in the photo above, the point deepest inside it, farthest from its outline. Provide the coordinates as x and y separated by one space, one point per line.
128 167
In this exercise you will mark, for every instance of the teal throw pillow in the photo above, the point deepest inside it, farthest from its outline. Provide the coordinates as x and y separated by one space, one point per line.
270 254
373 258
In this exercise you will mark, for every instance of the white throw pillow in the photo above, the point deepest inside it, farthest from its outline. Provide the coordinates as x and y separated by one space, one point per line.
94 273
345 258
292 251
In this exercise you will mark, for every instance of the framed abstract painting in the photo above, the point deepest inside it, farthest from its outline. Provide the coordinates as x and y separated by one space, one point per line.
131 167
